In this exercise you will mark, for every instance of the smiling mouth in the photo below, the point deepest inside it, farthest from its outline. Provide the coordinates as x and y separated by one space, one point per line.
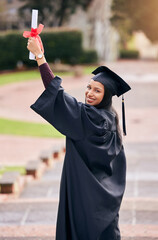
90 100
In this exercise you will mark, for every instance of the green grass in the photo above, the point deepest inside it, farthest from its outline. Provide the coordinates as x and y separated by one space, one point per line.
19 169
13 127
31 75
89 69
18 77
6 78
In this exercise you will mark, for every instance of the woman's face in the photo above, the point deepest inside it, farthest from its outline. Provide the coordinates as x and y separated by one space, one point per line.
94 93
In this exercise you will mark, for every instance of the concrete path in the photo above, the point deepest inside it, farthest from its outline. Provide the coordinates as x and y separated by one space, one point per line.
32 216
34 212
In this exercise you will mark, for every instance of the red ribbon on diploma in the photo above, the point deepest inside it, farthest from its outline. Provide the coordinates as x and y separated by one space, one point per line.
35 33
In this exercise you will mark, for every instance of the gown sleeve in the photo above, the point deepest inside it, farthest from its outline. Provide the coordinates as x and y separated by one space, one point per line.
46 74
61 110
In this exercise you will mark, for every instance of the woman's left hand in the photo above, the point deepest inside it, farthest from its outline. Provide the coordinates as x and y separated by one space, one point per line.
34 46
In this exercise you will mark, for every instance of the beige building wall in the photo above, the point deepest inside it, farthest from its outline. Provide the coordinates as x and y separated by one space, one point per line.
9 13
97 31
147 49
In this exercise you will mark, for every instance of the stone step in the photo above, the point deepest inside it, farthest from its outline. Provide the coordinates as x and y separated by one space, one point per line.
139 188
38 213
32 232
46 187
11 182
53 238
46 158
148 204
41 189
44 211
136 238
138 185
27 238
35 168
139 232
50 183
43 232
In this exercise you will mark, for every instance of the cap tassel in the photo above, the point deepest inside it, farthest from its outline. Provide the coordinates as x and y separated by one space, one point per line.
123 116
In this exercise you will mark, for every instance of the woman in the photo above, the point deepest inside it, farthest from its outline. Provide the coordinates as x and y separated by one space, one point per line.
94 170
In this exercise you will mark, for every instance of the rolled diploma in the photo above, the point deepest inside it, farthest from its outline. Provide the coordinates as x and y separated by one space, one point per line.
34 23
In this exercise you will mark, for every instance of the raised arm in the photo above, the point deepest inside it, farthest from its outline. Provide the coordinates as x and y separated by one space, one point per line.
46 73
54 105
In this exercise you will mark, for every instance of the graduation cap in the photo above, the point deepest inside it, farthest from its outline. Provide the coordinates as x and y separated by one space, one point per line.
115 84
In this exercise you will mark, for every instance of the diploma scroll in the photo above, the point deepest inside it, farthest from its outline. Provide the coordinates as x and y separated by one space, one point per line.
34 23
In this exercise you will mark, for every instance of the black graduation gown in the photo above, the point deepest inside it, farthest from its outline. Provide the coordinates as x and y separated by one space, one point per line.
93 176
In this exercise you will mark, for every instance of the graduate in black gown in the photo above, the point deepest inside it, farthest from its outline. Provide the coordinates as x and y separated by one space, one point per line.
94 170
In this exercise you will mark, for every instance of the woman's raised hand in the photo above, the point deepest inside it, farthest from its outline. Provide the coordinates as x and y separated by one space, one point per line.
34 46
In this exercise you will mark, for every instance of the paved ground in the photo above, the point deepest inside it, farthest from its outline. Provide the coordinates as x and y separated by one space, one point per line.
32 216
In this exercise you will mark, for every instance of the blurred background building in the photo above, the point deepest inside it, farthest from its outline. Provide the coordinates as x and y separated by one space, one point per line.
112 28
97 31
9 16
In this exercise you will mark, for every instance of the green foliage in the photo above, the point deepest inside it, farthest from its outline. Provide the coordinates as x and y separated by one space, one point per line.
133 15
89 56
13 127
63 45
66 46
7 52
129 54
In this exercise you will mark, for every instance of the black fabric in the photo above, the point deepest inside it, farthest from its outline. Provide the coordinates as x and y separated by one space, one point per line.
112 231
112 81
94 170
114 84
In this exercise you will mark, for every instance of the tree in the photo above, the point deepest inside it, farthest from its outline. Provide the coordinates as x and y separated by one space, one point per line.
67 7
45 9
53 12
2 15
136 15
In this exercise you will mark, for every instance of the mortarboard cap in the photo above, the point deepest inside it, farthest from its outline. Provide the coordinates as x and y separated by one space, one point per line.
115 84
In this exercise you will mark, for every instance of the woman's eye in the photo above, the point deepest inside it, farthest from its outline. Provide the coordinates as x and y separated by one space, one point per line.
88 87
97 91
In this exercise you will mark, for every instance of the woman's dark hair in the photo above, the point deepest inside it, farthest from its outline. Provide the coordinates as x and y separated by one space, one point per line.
106 103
